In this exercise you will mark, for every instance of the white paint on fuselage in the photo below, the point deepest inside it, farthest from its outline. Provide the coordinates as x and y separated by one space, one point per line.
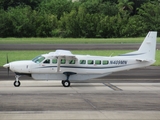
21 66
42 71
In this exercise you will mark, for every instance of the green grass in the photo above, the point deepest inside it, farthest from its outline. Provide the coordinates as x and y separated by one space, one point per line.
27 55
70 40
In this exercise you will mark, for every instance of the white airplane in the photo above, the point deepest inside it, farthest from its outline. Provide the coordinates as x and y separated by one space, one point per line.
65 66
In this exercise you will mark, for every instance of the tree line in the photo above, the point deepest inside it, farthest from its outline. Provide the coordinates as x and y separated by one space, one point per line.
78 18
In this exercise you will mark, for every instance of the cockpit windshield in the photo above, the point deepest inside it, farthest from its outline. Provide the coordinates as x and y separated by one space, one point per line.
38 59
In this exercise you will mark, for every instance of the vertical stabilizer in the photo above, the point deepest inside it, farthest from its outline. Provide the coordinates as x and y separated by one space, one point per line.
148 47
147 50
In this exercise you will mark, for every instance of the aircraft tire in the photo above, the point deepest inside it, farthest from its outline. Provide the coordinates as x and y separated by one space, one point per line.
62 82
66 83
17 83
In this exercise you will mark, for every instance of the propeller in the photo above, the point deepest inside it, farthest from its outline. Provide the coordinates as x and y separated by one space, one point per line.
7 63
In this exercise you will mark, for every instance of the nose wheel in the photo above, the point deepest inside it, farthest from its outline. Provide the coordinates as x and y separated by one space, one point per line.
17 83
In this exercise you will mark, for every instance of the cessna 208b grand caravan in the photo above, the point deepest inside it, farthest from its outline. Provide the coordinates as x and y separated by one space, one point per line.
65 66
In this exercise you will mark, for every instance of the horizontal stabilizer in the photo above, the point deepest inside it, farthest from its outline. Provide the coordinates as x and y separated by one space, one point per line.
143 60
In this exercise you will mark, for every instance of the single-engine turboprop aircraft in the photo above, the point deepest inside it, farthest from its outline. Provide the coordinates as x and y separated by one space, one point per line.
65 66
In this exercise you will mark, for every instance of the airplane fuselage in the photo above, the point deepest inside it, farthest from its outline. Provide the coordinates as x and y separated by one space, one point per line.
85 67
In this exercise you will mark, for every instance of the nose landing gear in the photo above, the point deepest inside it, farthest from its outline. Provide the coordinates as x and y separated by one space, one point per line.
17 83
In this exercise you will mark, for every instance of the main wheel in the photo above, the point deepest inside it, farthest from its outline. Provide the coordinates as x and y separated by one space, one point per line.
62 82
66 83
17 83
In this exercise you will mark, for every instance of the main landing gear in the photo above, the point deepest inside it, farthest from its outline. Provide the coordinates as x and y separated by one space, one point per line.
66 83
17 83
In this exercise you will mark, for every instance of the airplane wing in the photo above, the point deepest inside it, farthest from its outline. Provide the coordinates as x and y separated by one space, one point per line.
63 54
67 57
64 57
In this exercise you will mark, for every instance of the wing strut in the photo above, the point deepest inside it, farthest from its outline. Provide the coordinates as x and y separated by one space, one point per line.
59 63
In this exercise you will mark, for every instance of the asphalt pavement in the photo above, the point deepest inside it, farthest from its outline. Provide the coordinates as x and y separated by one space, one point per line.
48 100
71 46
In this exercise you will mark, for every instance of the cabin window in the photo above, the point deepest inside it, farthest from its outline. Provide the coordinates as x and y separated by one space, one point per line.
98 62
63 61
47 61
105 62
54 61
90 62
72 62
82 61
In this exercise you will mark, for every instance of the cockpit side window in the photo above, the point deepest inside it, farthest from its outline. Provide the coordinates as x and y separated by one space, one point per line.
38 59
54 61
47 61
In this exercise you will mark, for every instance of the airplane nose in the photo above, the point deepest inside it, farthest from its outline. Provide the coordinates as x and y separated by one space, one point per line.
6 66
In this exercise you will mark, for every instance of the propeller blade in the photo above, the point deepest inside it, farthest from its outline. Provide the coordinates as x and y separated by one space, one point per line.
7 59
8 71
8 67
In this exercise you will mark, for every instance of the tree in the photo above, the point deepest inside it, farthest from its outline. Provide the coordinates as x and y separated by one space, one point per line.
6 26
100 7
45 24
20 18
125 5
56 7
69 26
5 4
83 18
137 4
150 15
132 27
